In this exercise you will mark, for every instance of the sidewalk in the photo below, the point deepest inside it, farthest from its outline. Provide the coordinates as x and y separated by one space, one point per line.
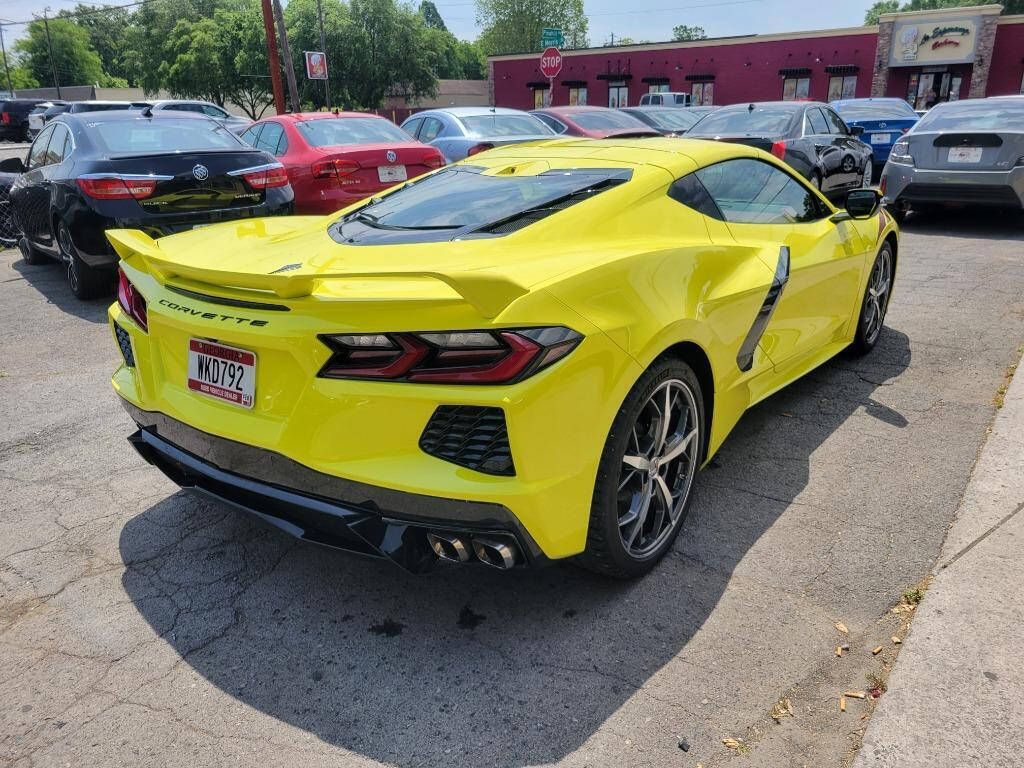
956 694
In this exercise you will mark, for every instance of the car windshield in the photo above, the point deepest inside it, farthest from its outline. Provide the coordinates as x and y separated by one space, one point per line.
769 121
876 110
493 126
86 107
462 196
332 132
673 119
606 121
980 115
143 136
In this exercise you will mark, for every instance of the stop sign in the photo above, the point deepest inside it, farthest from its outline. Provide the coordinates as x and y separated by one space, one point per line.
551 62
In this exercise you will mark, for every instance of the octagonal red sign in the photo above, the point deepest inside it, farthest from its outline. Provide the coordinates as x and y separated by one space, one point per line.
551 62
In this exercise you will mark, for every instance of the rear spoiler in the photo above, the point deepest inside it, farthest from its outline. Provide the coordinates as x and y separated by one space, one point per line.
487 292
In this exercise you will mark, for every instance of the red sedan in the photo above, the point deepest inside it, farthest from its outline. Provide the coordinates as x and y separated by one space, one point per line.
336 159
593 122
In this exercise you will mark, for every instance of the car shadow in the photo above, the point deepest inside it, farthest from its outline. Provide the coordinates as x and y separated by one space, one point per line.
970 223
468 665
50 279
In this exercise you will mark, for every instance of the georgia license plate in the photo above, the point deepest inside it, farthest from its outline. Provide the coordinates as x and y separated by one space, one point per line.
392 173
880 138
222 372
965 154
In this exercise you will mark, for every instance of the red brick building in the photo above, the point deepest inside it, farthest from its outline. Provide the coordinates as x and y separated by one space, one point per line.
923 56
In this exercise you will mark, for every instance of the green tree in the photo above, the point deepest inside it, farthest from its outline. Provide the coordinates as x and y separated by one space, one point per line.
110 33
20 77
684 32
431 16
514 26
893 6
76 62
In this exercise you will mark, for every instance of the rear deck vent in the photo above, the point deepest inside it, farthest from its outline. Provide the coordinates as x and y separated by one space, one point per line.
471 436
124 341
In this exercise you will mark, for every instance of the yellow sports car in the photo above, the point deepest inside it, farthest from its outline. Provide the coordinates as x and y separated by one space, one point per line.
519 358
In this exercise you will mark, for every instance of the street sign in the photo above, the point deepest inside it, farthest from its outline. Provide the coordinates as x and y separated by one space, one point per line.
551 38
551 62
316 65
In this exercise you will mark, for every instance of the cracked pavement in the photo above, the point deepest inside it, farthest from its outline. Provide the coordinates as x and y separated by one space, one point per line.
142 626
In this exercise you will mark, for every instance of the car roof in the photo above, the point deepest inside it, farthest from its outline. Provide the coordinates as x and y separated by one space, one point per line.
121 115
299 117
471 111
794 105
573 110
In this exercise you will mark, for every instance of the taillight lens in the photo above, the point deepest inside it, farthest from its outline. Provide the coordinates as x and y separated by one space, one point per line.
5 118
478 148
779 149
900 153
116 187
131 301
334 168
436 161
456 357
265 178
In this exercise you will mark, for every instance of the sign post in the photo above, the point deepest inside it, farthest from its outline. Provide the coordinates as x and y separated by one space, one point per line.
550 66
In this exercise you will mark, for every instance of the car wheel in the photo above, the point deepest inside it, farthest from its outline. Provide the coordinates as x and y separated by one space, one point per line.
898 212
85 282
28 252
646 474
875 303
849 164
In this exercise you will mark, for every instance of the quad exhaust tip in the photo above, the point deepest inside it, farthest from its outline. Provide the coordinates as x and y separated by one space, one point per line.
449 547
497 553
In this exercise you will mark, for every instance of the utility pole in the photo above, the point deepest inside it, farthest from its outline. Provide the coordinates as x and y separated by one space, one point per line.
272 58
289 65
323 47
49 47
7 70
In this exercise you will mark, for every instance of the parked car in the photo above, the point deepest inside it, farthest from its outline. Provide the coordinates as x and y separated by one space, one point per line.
336 159
668 121
37 117
159 172
76 107
665 99
463 131
808 135
969 151
234 123
9 232
14 118
593 122
884 121
520 358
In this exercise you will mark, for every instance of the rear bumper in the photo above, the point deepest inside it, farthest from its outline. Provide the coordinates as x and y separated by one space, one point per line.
905 184
310 505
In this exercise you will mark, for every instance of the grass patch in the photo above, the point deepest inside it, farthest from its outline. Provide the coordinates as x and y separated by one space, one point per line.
1000 397
913 596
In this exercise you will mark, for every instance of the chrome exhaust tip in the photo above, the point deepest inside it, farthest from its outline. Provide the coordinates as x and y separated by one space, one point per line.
448 546
495 552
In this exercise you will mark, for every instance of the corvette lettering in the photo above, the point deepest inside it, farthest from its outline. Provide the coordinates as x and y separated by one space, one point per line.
213 315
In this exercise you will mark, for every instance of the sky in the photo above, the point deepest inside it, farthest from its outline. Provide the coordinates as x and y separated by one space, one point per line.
651 20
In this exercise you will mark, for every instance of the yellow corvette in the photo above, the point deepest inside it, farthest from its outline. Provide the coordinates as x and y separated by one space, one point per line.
522 357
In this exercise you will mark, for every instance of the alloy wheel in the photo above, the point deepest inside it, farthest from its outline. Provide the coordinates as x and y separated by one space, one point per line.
658 468
877 299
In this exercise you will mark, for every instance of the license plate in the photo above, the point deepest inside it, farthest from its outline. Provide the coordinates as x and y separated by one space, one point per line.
965 154
392 173
880 138
222 372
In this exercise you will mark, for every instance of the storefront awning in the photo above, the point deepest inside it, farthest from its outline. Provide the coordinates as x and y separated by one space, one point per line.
655 80
842 69
539 84
610 76
700 78
574 83
795 71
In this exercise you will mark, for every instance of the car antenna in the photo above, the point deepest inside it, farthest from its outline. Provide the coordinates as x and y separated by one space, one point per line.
750 108
147 111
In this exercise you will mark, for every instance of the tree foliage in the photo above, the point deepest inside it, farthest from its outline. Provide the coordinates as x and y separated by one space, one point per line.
685 32
431 16
893 6
74 58
514 26
109 28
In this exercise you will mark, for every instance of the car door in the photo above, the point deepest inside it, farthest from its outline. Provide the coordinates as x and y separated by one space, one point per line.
818 135
30 199
852 151
555 125
412 126
769 208
431 132
251 134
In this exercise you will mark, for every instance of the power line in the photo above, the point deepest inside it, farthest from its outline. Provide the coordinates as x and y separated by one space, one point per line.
77 14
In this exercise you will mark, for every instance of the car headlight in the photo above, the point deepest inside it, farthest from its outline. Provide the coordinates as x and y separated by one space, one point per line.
901 153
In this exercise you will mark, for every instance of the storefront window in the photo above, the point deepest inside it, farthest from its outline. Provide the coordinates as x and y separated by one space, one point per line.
578 97
618 94
660 88
540 98
702 94
842 87
796 88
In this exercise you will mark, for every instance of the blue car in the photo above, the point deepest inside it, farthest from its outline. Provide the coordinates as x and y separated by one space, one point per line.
884 121
463 131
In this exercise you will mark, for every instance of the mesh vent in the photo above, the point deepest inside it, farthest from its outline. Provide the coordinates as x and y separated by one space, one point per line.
124 341
471 436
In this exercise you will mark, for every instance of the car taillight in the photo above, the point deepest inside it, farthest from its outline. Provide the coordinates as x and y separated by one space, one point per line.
881 186
478 148
116 187
779 149
265 178
435 161
131 301
5 118
456 357
334 169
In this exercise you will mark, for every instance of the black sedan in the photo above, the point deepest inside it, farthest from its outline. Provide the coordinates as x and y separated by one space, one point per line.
158 172
669 121
808 135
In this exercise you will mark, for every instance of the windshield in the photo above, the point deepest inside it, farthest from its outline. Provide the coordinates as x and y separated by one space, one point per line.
464 197
768 121
493 126
897 109
980 115
673 119
607 121
164 135
332 132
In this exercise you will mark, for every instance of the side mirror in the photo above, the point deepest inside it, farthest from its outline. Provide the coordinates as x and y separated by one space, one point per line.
12 165
862 203
856 130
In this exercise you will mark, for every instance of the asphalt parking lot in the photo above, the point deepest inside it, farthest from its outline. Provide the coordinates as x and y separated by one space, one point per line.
142 626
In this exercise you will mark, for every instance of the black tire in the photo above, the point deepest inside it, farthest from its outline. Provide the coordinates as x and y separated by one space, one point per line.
898 213
85 282
868 332
606 552
29 254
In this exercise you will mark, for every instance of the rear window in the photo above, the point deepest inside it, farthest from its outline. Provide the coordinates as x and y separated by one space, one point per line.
84 107
127 137
331 132
493 126
876 110
768 121
606 121
673 119
980 115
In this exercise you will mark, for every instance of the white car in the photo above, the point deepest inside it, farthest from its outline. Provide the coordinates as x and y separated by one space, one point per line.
233 123
36 118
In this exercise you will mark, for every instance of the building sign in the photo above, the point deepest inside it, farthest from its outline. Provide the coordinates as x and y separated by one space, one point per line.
945 41
316 65
551 38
